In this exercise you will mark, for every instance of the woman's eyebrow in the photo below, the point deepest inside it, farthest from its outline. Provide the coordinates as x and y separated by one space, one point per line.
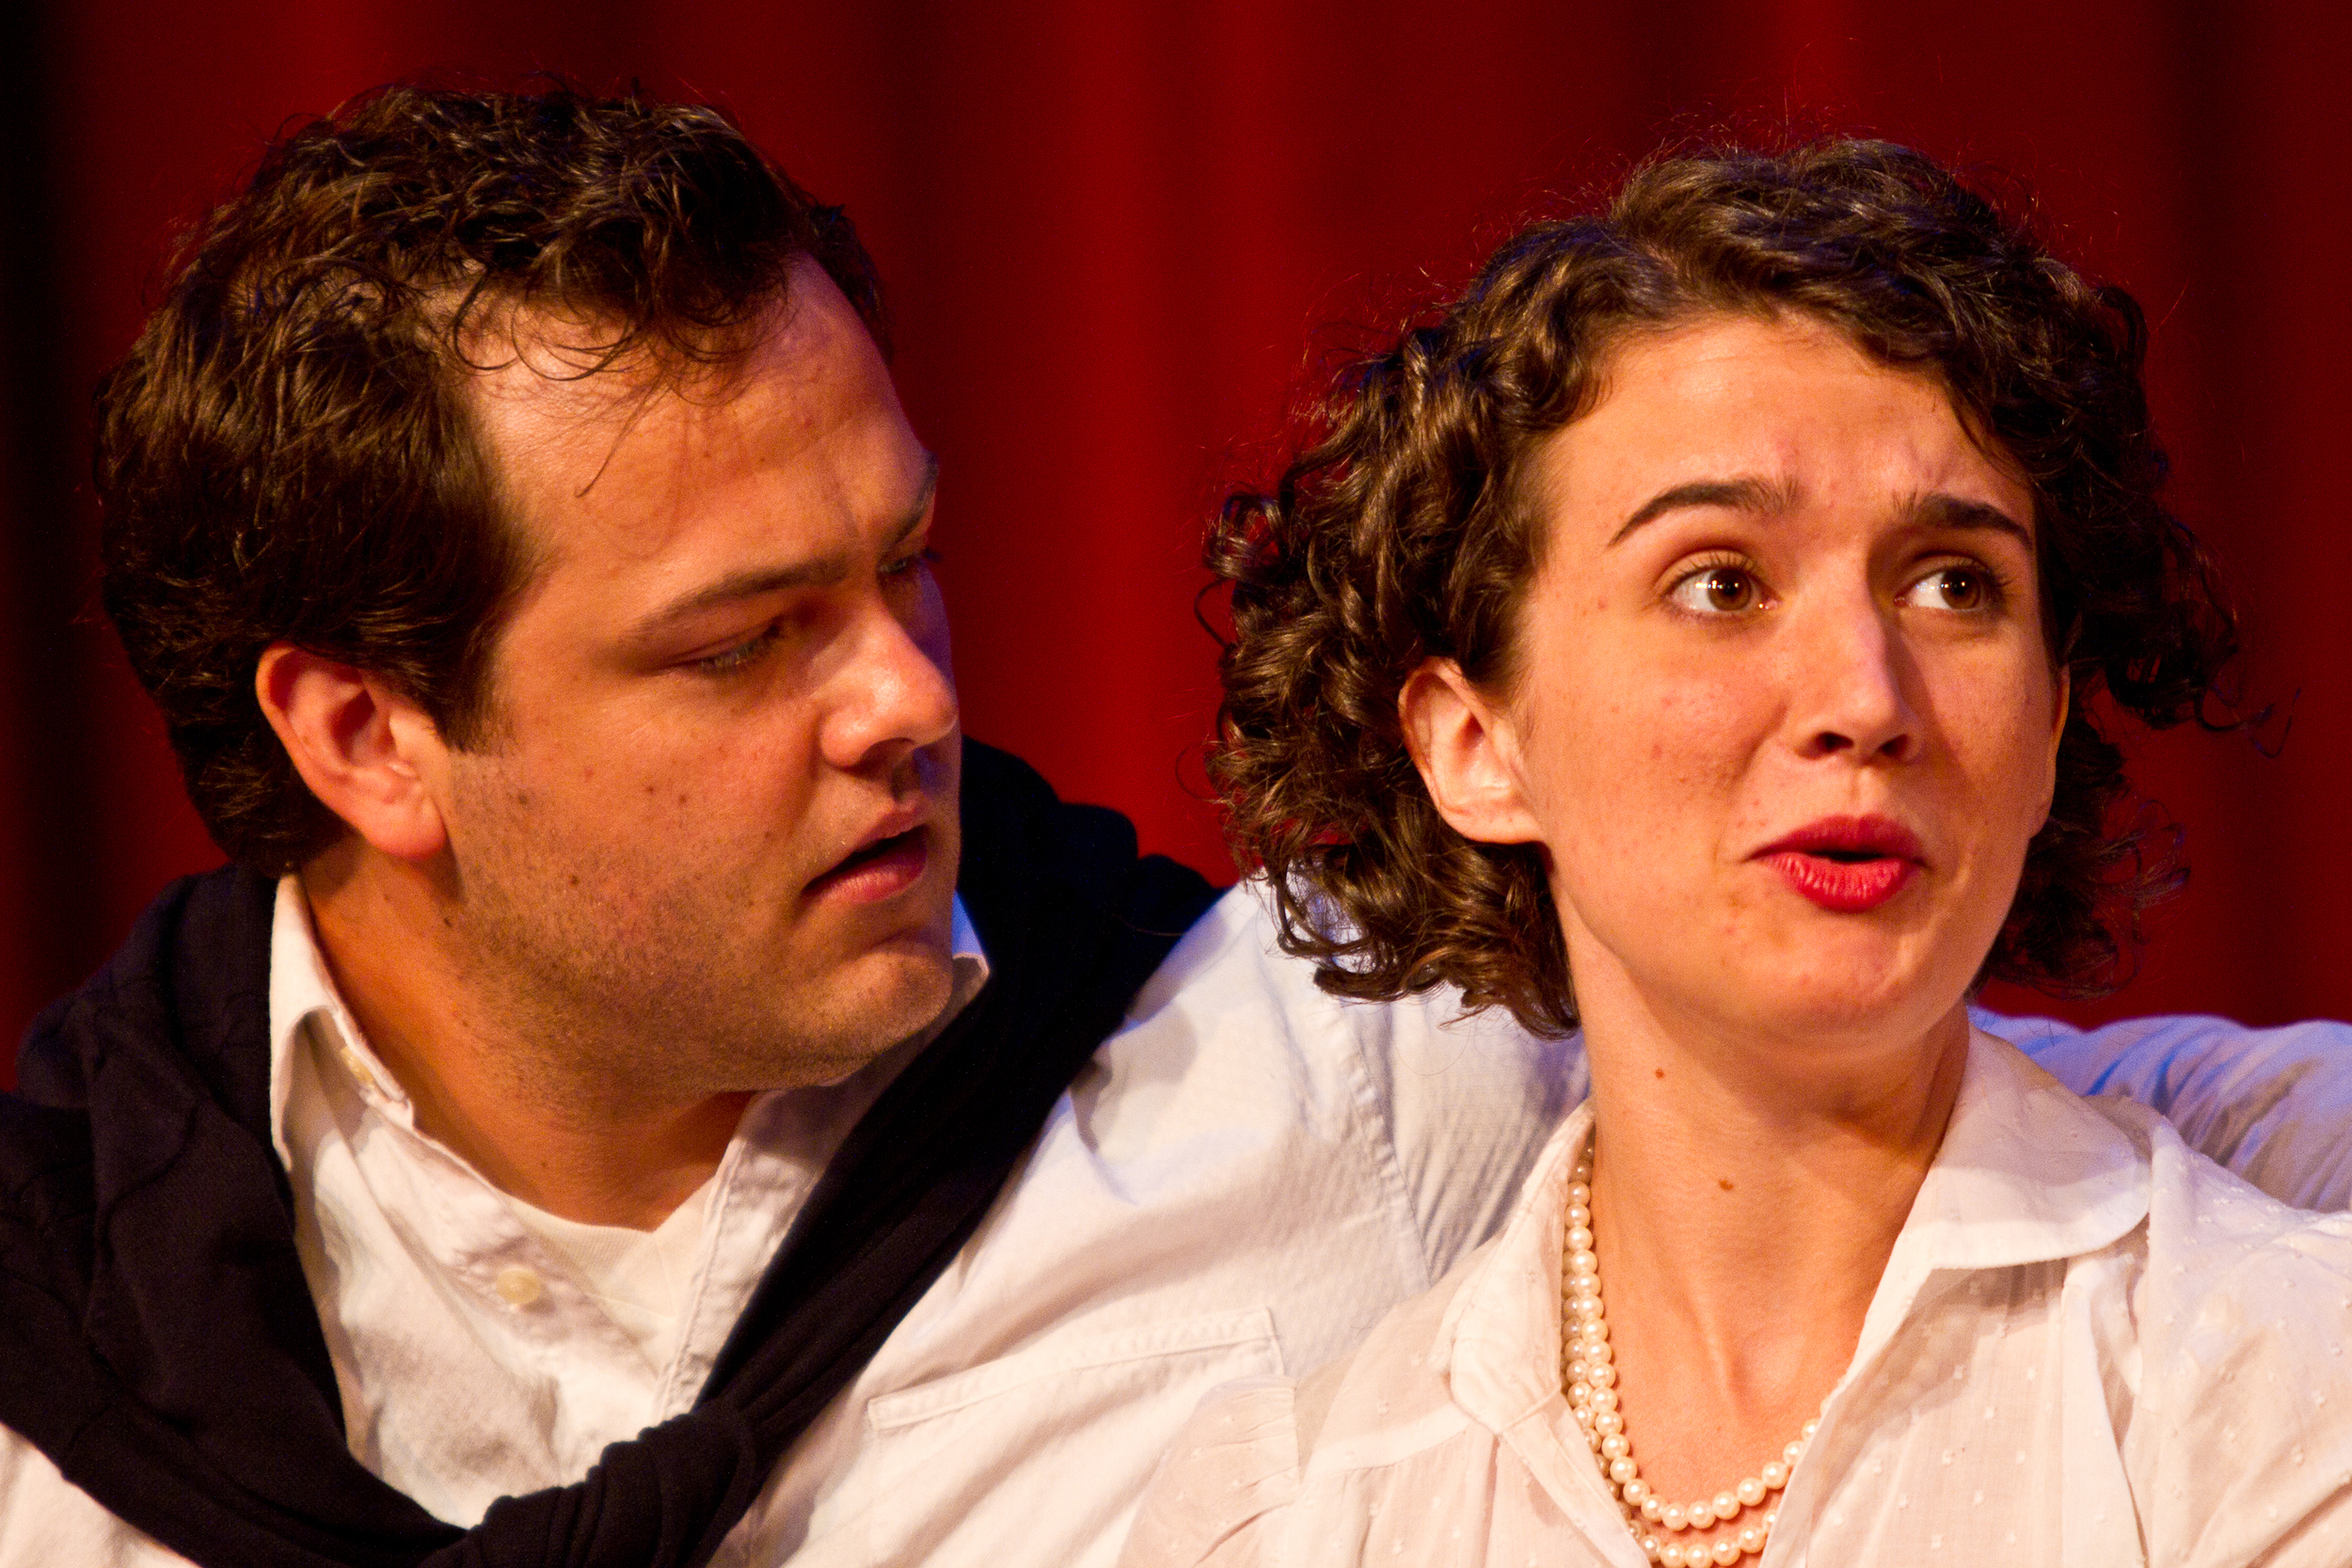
1737 494
1940 509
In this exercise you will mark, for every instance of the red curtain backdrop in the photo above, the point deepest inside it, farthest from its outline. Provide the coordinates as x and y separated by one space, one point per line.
1112 233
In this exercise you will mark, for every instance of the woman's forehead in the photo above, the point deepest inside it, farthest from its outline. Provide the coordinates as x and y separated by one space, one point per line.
1770 412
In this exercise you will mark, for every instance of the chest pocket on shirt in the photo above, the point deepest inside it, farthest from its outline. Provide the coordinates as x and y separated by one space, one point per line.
1041 1455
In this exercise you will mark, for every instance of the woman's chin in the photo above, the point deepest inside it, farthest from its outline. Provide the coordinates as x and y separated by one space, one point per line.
1832 1021
1852 987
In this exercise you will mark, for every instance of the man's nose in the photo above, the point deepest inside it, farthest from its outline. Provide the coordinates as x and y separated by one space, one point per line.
1850 673
896 695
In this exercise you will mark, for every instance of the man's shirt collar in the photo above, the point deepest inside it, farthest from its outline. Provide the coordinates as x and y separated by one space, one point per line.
303 996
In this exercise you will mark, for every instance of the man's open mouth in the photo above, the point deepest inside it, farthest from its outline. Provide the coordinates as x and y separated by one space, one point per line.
879 869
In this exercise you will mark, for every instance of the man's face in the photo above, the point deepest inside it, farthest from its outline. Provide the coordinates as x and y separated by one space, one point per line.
711 843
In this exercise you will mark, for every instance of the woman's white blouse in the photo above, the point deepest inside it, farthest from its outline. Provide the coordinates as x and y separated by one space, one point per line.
2091 1346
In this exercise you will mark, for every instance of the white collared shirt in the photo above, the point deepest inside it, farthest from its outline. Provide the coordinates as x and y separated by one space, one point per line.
484 1347
2090 1346
1243 1179
1247 1176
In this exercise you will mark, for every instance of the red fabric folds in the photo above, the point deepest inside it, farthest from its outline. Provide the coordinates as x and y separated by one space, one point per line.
1110 232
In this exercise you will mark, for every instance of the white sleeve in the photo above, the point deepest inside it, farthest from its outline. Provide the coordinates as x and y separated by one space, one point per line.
2274 1105
1471 1103
1463 1105
48 1522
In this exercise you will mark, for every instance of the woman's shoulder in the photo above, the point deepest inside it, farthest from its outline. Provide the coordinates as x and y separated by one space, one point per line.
2218 1269
2105 1177
1391 1396
2213 1229
2237 1429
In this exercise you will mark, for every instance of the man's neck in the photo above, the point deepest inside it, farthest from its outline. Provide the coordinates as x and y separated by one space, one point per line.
494 1097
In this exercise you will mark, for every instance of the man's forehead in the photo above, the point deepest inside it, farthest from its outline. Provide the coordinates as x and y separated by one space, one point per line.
542 379
648 499
803 387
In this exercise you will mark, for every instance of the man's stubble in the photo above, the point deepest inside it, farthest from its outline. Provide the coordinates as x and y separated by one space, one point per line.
629 980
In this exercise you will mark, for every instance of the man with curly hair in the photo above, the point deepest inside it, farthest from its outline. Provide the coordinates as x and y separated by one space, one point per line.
646 1089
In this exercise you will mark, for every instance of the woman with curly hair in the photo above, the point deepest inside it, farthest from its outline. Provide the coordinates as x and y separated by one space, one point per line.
1700 633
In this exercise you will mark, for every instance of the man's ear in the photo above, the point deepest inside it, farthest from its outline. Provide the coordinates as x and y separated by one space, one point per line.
366 751
1467 754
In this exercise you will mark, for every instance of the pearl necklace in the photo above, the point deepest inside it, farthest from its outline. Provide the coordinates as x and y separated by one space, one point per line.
1590 1376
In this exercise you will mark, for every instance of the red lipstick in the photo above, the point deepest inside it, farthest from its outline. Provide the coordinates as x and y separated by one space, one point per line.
1847 865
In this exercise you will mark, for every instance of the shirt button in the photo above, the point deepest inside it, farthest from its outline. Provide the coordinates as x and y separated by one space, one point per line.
518 1287
358 1070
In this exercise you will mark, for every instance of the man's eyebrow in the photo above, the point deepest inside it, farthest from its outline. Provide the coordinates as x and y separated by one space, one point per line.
913 517
822 572
1738 495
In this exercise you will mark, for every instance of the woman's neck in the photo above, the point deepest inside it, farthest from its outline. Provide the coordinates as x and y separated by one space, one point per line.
1747 1190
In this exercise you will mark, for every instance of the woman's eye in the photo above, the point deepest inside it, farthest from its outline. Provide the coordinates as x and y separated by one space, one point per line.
1716 591
1961 588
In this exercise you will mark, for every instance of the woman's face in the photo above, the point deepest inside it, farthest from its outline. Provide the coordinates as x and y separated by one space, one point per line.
1783 719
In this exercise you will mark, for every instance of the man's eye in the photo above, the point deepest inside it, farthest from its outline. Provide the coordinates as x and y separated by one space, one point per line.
908 565
743 654
1718 590
1959 588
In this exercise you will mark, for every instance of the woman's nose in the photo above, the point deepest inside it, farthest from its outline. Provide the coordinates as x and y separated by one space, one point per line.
1852 694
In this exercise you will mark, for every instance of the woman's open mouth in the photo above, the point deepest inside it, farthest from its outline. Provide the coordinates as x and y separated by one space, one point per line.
1847 865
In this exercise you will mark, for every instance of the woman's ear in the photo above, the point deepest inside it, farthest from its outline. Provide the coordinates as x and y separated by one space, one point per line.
2057 735
1467 754
367 753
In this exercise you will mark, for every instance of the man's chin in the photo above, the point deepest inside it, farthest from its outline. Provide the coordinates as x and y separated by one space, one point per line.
879 1001
909 992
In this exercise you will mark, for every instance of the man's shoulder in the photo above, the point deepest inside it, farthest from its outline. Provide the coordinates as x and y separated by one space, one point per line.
1437 1113
1228 984
1229 966
1018 833
190 981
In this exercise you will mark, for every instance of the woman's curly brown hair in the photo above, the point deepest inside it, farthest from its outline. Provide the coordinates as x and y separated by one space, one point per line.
285 454
1400 533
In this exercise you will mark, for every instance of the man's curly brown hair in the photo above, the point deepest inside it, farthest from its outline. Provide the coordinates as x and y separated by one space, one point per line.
286 454
1401 532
